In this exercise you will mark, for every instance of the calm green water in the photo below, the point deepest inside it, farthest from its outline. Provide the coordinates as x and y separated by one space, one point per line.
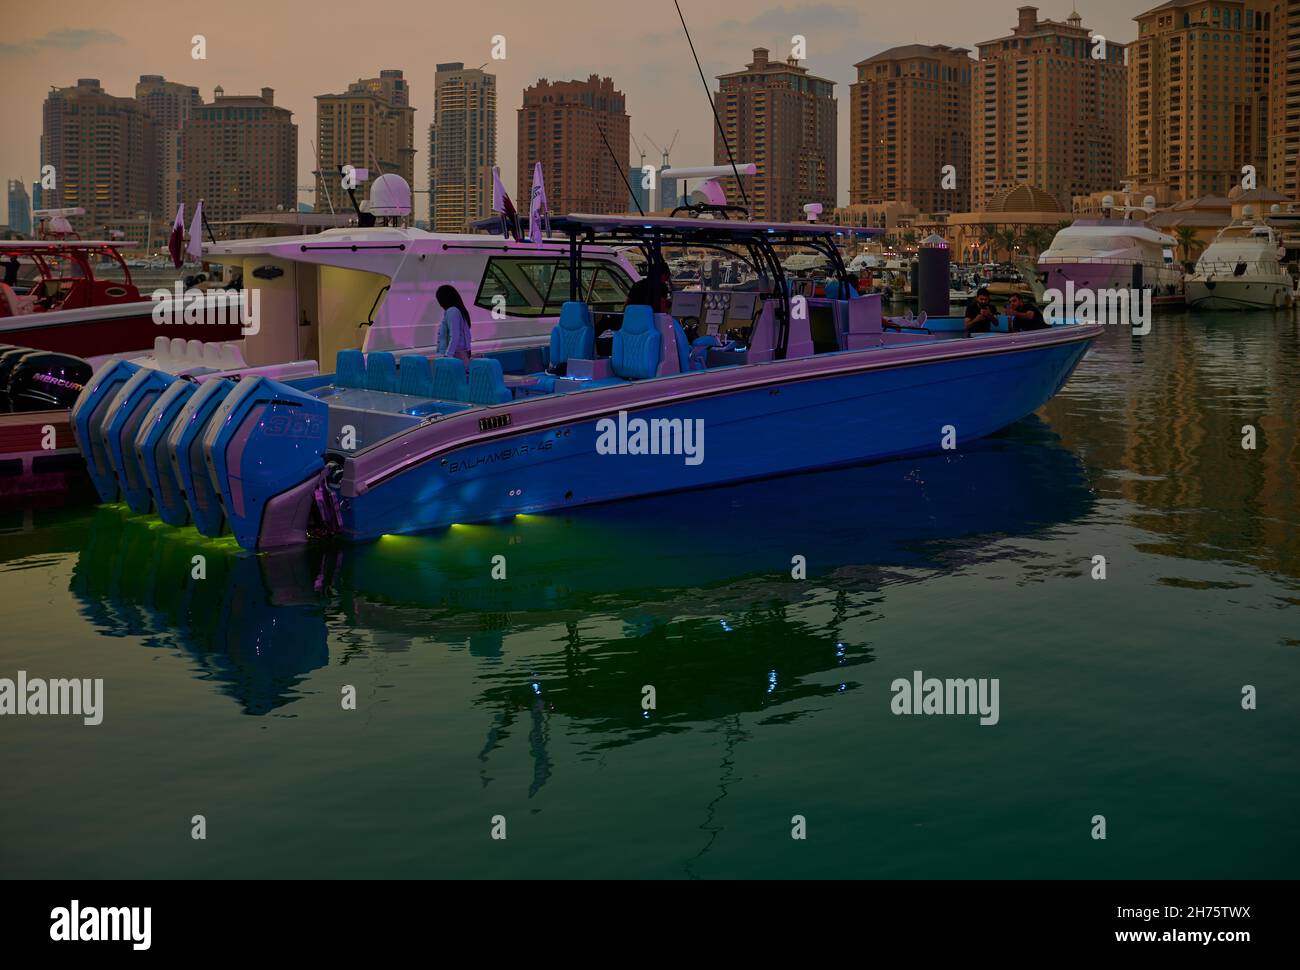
522 698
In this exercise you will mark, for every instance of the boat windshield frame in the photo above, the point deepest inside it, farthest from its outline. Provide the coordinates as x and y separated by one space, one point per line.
652 234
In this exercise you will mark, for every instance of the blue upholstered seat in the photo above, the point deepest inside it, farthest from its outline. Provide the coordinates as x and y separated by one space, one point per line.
575 335
449 380
683 347
381 371
487 383
415 376
637 345
350 369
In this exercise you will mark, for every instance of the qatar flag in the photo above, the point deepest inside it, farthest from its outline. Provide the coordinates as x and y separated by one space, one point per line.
501 204
176 241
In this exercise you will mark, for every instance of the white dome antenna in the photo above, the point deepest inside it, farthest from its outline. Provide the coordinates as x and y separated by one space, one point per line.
390 195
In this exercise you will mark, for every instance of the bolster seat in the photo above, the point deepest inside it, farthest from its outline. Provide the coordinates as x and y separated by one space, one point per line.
415 376
350 369
638 345
449 380
487 384
381 371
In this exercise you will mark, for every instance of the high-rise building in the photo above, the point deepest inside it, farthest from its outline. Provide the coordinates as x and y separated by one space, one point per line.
370 126
1198 96
1284 107
20 208
102 150
909 118
169 104
561 125
241 156
781 118
641 196
462 147
1048 110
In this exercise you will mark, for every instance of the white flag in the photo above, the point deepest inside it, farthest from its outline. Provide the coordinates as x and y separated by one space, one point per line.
498 192
537 205
195 248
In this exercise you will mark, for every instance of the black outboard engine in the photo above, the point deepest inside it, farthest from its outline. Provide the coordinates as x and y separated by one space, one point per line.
8 361
45 381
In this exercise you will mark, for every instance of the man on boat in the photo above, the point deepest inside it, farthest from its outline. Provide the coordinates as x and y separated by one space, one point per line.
11 270
1024 315
981 314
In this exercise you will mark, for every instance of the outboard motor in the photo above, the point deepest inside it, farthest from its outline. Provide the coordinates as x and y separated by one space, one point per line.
122 423
87 423
8 361
183 450
264 450
46 381
155 465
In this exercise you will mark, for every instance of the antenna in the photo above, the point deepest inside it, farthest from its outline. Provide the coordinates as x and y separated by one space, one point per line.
712 107
321 175
621 167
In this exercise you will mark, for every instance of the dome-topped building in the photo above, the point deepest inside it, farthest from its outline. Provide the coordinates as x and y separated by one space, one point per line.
1023 198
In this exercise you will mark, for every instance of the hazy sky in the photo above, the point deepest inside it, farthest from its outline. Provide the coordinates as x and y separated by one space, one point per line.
307 48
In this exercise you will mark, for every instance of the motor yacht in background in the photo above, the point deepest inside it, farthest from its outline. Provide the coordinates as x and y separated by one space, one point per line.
1242 270
1114 253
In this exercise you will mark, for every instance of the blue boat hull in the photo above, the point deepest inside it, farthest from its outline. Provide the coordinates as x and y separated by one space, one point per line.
774 429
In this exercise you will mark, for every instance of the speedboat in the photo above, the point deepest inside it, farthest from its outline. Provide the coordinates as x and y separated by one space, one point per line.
1113 253
1241 270
397 442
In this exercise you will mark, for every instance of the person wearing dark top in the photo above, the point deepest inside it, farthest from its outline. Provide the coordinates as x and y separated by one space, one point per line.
1024 315
980 313
11 271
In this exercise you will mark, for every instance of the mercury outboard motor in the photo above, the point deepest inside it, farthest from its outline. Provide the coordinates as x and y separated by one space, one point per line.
46 381
8 361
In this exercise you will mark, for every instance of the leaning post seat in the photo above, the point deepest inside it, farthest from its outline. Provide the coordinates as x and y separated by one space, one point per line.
575 335
638 345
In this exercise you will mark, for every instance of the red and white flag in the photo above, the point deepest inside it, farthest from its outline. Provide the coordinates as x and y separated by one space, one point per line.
176 241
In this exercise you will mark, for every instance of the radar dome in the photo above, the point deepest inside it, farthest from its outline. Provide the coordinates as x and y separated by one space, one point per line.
390 195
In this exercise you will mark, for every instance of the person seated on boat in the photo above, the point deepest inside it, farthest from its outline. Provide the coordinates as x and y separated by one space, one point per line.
1024 315
453 332
981 314
11 271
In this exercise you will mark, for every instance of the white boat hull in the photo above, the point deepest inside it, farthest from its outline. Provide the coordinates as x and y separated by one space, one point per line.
1238 294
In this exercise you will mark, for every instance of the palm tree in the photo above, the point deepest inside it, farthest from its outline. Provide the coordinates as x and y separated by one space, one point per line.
1037 238
1189 243
909 238
988 238
1006 241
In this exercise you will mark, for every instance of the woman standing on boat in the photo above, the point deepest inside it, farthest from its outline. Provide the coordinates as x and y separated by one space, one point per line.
453 333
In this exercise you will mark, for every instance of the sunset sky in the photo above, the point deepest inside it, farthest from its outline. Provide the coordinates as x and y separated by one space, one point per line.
303 49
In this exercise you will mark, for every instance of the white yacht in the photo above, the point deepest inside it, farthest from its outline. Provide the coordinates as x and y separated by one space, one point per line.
1113 253
1242 270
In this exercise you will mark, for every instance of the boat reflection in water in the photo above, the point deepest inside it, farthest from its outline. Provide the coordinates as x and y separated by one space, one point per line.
692 593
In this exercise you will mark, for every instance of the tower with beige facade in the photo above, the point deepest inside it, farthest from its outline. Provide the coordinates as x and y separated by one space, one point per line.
560 125
781 118
101 148
241 156
1284 92
1198 96
370 126
462 147
169 104
1048 109
910 116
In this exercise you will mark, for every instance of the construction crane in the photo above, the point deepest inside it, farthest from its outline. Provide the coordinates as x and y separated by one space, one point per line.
665 152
